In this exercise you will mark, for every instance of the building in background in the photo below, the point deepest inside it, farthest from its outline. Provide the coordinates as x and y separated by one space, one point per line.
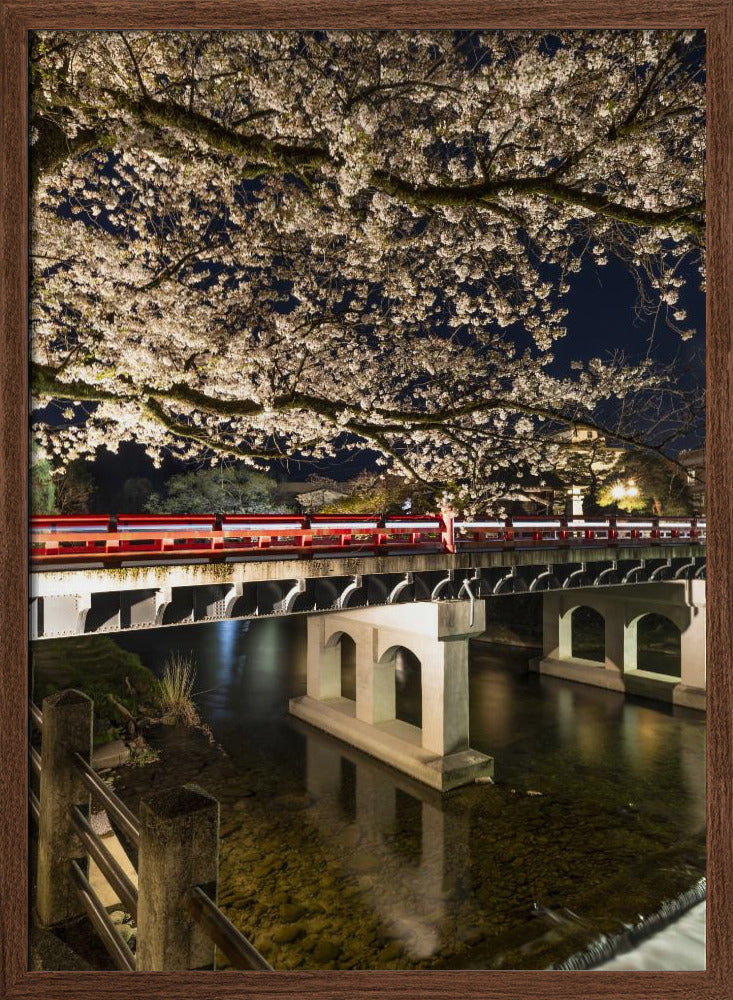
694 461
310 497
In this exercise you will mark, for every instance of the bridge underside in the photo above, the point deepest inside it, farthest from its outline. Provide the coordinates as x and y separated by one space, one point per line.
73 602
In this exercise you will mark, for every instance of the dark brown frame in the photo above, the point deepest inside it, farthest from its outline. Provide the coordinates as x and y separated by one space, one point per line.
21 16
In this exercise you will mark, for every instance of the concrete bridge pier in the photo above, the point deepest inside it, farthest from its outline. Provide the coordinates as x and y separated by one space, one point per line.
437 633
682 602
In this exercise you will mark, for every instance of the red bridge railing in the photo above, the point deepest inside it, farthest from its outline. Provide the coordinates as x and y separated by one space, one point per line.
112 539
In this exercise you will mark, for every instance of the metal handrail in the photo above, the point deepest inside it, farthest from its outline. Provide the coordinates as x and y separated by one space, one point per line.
35 806
240 952
37 715
36 761
104 860
115 807
102 922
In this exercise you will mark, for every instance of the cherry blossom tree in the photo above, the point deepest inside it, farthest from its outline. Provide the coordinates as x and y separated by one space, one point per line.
283 244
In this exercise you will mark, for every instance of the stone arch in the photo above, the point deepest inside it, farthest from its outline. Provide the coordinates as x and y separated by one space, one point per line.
578 578
422 588
326 593
610 575
662 572
241 601
444 588
407 683
402 590
686 571
295 598
653 643
544 581
348 591
180 608
510 583
270 593
376 590
335 637
632 576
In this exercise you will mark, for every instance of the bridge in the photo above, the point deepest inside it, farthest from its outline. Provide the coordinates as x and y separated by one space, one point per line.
389 584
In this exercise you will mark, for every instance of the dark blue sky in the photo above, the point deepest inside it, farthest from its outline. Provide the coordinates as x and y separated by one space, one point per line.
602 318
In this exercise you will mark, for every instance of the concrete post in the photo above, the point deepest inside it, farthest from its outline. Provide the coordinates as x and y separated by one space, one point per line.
179 846
619 655
564 631
692 649
323 666
67 728
375 681
551 626
444 675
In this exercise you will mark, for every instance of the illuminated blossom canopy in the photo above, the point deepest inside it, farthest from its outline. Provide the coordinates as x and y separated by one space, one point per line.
268 244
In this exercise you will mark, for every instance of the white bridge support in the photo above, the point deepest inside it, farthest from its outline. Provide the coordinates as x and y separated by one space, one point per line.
437 633
681 602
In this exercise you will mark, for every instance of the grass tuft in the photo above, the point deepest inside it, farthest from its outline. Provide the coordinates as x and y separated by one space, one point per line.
176 689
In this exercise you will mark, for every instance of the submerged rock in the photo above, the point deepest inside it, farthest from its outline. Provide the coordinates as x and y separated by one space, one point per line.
290 912
325 950
285 933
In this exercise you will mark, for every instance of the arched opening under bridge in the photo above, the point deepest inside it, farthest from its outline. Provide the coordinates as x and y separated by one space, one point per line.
658 646
408 686
588 635
348 666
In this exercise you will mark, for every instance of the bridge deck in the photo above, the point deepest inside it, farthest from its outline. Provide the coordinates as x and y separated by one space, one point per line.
136 574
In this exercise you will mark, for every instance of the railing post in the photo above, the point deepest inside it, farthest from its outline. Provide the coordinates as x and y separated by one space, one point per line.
179 848
67 728
447 535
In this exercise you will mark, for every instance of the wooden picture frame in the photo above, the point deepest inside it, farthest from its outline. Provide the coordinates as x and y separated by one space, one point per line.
21 16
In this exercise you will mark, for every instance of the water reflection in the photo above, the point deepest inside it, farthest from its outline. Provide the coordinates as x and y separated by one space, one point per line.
396 836
542 729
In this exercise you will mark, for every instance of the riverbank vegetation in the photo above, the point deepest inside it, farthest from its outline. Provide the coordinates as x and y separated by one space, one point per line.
121 687
127 695
176 689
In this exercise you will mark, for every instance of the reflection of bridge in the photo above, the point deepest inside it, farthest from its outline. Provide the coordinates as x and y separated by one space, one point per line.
409 891
416 584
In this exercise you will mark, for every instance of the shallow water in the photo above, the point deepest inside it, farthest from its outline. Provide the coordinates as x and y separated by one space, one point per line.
332 860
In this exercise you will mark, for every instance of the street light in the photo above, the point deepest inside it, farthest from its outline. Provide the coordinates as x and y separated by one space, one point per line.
624 491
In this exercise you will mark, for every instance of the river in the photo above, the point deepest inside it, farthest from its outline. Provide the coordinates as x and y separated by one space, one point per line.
331 860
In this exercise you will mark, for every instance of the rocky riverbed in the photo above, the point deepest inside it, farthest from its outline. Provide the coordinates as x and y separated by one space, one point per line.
315 893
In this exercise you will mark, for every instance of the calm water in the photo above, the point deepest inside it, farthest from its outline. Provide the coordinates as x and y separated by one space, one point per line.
332 860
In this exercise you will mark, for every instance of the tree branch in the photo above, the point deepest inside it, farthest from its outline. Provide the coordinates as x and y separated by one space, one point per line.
46 383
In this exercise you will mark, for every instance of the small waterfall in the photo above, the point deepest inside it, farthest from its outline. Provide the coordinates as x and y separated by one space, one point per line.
608 946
